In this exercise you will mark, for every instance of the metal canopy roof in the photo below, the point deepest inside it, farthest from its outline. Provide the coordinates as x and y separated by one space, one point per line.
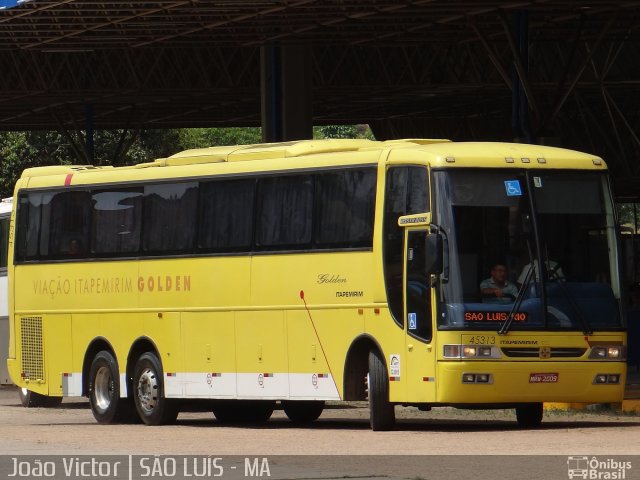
434 68
76 25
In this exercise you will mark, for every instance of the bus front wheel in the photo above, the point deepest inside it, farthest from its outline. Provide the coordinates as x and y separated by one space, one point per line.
303 411
151 404
104 390
30 399
529 415
381 412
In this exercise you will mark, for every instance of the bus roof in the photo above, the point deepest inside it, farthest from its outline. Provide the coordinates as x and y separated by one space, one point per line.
301 148
501 155
436 152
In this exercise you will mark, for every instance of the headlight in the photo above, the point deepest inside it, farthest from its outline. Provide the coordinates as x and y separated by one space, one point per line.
614 352
485 351
470 351
607 378
451 351
477 378
608 352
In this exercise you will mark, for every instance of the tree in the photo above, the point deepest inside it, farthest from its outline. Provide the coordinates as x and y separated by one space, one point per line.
343 131
16 154
209 137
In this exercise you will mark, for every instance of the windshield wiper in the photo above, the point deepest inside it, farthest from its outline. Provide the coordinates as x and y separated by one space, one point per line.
518 301
504 329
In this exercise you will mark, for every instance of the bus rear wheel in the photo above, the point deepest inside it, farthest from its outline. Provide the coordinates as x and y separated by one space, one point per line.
303 411
30 399
148 392
382 414
104 391
529 415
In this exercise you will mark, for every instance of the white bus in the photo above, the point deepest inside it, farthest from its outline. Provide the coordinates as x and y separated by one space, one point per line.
5 214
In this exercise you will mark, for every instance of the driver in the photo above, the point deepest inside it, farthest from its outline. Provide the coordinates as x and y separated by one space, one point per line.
498 289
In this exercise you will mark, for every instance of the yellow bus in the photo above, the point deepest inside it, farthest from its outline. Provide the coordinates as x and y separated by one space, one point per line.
27 398
312 271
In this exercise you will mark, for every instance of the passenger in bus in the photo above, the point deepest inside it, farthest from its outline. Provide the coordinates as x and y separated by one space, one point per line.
554 271
75 247
497 289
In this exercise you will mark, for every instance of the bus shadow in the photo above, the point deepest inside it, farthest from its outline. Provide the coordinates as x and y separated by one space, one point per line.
63 406
503 425
414 425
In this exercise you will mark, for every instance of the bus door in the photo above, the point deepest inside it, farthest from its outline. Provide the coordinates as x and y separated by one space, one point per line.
420 356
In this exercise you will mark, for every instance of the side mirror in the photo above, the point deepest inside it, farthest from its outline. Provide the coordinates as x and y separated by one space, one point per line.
434 253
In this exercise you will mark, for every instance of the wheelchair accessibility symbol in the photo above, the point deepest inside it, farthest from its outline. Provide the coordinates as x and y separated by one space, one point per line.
413 321
513 188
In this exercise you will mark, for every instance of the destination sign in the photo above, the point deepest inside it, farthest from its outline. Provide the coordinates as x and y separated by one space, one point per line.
488 316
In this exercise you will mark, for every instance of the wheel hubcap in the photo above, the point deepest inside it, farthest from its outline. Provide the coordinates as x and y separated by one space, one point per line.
103 388
148 390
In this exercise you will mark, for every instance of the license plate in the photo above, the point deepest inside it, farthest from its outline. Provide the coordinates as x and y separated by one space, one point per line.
543 378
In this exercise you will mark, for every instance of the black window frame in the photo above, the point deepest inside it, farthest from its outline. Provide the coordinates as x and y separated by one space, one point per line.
395 298
310 246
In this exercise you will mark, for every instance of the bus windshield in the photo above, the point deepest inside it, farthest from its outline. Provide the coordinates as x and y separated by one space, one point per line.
546 238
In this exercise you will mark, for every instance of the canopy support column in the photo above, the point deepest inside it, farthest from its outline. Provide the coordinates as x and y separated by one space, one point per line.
285 77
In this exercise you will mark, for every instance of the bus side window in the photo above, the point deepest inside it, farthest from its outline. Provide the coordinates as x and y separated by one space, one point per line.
345 203
170 213
226 215
116 221
418 288
285 206
406 192
70 220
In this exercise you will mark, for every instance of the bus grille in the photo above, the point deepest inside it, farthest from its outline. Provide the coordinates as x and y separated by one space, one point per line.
32 351
556 352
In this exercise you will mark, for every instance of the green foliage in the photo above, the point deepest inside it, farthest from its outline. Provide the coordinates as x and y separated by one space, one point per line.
209 137
16 154
629 217
343 131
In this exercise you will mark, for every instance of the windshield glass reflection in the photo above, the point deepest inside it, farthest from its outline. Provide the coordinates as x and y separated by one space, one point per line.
539 244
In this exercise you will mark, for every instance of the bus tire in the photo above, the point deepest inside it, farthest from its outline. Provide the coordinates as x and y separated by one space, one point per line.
257 411
148 392
104 391
303 411
529 415
30 399
381 412
227 411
